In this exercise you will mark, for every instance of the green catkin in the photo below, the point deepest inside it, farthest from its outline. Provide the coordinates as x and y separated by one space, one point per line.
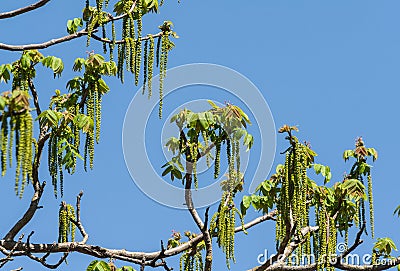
12 135
237 157
138 59
4 139
49 154
90 134
204 134
97 96
63 224
285 188
217 159
362 203
358 217
162 65
23 139
71 215
60 172
158 52
26 142
150 63
194 159
145 64
373 258
85 152
315 236
112 44
120 61
138 55
91 151
277 228
76 138
90 26
230 157
54 170
371 205
132 56
130 62
18 154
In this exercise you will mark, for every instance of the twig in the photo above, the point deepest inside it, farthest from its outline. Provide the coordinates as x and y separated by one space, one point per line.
78 222
35 97
11 253
44 44
20 11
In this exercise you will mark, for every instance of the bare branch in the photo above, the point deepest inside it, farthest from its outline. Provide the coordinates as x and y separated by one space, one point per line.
44 44
192 210
20 11
35 96
78 223
123 255
10 253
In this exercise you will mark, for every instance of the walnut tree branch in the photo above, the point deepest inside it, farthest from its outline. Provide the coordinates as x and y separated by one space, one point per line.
16 12
44 44
122 254
192 210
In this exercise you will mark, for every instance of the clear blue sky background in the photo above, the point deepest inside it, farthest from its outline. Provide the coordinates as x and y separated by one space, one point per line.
331 67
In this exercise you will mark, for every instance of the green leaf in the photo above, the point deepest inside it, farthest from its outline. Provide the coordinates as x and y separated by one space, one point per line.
102 86
347 154
97 265
354 188
384 246
51 117
246 201
167 170
78 64
2 103
72 25
248 141
203 120
5 70
177 173
372 152
25 62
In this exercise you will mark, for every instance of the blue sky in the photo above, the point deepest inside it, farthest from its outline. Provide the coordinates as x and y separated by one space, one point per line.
330 67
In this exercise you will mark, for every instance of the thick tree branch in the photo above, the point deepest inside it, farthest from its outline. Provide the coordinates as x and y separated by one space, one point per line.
124 255
42 260
192 210
16 12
